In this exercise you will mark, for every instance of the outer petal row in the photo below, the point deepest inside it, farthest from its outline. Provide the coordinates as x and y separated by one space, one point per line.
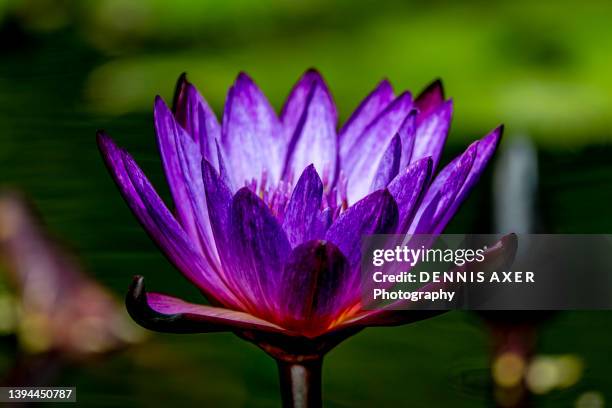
161 225
160 312
181 158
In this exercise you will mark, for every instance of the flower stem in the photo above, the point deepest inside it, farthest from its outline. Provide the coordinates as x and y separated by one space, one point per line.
300 383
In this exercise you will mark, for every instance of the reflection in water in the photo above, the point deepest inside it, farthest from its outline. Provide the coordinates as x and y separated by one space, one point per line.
57 313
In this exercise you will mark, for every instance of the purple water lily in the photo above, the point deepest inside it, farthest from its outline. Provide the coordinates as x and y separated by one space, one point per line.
270 210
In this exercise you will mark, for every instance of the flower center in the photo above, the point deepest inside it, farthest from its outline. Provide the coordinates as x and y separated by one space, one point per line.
277 196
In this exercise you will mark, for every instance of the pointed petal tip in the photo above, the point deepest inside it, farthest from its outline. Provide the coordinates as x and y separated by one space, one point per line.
446 107
181 83
384 86
500 129
384 83
427 162
507 245
243 79
310 169
105 142
179 89
245 196
101 136
137 287
136 302
160 106
208 171
510 238
207 165
244 192
494 136
159 101
383 194
435 87
404 95
313 75
312 71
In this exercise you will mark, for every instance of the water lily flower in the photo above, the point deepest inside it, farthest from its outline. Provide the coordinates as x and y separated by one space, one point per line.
269 211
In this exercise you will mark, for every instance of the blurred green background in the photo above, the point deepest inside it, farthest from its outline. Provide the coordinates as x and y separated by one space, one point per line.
68 68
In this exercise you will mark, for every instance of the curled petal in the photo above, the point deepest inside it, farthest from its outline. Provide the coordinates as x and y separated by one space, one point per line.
167 314
251 136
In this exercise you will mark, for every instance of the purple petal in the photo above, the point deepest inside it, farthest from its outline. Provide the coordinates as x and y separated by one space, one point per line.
297 101
431 134
376 213
163 313
357 163
325 219
443 191
259 248
252 136
407 133
365 113
314 139
429 100
181 159
224 170
161 225
408 189
312 287
485 149
219 200
301 221
194 114
389 165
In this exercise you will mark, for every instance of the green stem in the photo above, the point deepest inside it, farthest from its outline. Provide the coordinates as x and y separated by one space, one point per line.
300 383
